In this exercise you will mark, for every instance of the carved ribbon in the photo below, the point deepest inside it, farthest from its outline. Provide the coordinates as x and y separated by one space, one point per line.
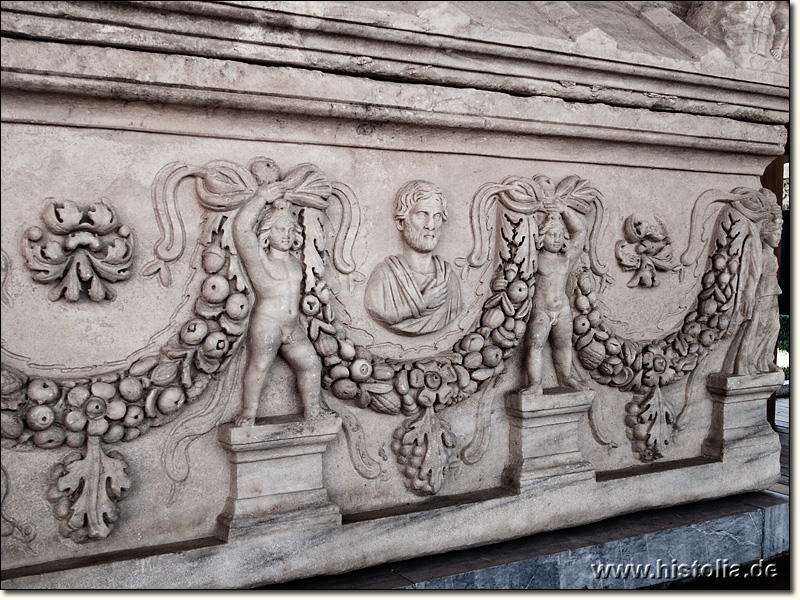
526 196
223 186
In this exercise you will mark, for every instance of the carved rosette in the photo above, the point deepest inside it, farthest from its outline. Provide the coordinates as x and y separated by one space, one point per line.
82 249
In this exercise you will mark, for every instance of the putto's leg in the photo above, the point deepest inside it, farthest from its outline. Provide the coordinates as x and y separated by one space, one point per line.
307 367
538 331
561 347
263 341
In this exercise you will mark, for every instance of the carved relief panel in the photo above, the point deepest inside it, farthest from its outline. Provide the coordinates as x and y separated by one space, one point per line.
275 283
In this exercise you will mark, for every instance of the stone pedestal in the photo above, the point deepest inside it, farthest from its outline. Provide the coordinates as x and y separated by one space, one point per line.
544 437
738 420
276 477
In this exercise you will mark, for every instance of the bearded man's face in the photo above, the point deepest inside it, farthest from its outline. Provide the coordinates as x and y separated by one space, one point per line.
423 225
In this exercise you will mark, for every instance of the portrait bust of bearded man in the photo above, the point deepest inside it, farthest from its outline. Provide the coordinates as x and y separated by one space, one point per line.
415 292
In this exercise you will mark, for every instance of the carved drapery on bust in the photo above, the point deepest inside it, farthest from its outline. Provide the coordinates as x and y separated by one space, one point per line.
415 292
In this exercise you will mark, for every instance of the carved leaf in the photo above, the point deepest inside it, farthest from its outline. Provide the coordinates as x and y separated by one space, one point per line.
53 251
102 217
62 217
659 417
95 482
314 247
308 187
119 252
423 452
627 256
578 192
222 185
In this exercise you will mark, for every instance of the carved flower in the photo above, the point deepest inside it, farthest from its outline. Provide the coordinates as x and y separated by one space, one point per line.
656 365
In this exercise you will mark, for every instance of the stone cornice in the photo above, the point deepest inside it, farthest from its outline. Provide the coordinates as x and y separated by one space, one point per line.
584 64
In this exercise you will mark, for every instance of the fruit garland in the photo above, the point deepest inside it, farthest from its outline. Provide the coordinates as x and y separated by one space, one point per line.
645 367
420 388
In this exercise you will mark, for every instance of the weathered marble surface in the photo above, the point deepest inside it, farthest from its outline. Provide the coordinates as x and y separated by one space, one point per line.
176 115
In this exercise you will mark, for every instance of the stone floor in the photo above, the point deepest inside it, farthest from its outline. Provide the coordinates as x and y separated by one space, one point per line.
740 529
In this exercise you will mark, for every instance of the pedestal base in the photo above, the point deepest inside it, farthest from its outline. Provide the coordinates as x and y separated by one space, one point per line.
739 415
276 477
544 437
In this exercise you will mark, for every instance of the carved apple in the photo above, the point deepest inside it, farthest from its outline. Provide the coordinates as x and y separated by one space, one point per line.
170 400
134 416
492 355
517 291
40 417
215 345
581 325
95 408
43 391
215 289
310 305
360 370
237 306
194 332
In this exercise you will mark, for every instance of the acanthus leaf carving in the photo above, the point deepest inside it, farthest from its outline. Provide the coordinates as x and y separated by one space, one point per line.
85 490
82 250
423 447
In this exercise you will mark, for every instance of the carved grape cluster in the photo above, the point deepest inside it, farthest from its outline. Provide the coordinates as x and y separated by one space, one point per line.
641 368
417 387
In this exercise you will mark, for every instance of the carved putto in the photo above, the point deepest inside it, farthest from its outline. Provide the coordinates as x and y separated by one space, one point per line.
83 249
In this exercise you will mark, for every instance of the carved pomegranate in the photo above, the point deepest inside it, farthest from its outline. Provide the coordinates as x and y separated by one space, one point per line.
592 355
